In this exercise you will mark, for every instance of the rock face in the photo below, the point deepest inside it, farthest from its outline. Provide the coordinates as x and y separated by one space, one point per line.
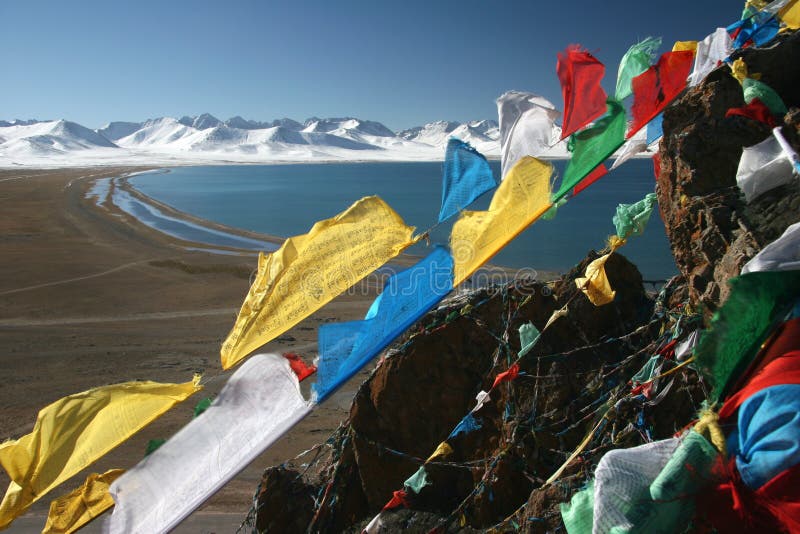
713 233
425 385
578 389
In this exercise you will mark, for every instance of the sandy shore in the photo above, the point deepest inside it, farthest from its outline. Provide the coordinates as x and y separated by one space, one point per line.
90 296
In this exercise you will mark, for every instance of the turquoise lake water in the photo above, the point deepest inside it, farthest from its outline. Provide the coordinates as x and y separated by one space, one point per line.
286 200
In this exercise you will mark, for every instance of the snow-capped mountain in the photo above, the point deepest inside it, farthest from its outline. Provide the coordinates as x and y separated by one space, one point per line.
207 139
21 139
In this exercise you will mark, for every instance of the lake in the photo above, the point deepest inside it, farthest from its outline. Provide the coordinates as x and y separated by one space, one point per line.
286 200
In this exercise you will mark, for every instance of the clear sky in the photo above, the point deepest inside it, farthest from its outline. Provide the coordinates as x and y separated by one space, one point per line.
400 63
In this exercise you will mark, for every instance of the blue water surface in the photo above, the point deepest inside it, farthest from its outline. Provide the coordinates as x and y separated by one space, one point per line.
286 200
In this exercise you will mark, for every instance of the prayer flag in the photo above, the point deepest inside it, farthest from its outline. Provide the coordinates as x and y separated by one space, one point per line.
635 61
631 219
591 178
595 283
310 270
783 254
763 167
635 145
259 403
73 432
466 177
346 347
527 126
580 74
593 146
790 15
715 48
658 86
755 110
80 506
521 198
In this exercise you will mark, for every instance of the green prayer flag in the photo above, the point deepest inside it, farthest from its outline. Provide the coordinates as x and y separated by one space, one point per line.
635 61
550 214
757 303
528 336
592 146
417 481
758 89
686 473
647 371
578 514
152 445
202 406
631 219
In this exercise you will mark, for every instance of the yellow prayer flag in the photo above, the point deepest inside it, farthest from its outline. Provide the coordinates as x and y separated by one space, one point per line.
523 196
739 71
72 511
73 432
444 449
685 46
790 15
595 284
310 270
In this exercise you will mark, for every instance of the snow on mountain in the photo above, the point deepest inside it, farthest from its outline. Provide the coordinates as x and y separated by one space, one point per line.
347 126
118 129
51 137
206 139
433 133
244 124
158 132
19 122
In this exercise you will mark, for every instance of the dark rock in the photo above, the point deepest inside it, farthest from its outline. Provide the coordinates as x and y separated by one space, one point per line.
712 231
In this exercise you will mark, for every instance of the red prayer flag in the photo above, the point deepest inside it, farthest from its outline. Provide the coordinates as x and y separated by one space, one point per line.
584 99
778 363
507 376
591 178
731 506
398 499
755 110
657 164
658 86
300 368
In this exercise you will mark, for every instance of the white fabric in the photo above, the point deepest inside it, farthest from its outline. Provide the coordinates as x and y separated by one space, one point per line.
527 126
374 526
775 6
623 478
633 146
686 347
783 254
260 402
763 167
788 151
482 397
710 51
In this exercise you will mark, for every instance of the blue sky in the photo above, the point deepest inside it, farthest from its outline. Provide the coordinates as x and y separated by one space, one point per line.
401 63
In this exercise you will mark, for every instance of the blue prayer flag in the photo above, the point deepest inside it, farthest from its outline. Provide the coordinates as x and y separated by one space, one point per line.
761 27
344 348
655 128
467 176
467 425
766 440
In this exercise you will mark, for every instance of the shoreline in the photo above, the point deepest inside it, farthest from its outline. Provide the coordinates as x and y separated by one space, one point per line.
91 296
175 160
123 183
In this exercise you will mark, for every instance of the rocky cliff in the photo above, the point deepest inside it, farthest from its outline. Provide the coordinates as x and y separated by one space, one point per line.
578 382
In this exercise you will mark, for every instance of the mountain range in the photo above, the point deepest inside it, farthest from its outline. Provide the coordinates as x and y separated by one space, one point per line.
206 139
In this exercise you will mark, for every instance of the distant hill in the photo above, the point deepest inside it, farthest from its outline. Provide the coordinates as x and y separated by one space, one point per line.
207 139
